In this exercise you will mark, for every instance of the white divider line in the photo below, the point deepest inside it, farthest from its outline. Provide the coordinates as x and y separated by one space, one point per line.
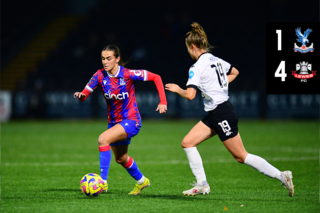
228 160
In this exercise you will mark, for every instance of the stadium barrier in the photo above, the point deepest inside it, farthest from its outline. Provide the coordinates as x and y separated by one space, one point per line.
247 105
5 105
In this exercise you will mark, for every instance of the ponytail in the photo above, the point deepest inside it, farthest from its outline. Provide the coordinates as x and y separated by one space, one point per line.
197 37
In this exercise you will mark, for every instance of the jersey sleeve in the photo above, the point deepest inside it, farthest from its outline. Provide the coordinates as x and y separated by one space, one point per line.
93 83
138 75
158 82
90 87
194 77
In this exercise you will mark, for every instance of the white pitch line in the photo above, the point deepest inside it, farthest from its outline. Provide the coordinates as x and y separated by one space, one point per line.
229 160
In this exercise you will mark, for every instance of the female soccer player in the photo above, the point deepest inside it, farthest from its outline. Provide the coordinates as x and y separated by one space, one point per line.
212 75
117 85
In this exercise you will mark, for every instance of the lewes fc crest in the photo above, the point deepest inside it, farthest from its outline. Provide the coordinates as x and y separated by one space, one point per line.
303 72
303 39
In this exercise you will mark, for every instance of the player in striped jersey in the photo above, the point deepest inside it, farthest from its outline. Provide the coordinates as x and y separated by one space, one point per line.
212 75
117 85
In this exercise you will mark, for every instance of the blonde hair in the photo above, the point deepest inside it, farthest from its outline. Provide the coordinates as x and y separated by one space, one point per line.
197 37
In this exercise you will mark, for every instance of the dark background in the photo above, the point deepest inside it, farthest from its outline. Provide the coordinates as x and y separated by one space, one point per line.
39 58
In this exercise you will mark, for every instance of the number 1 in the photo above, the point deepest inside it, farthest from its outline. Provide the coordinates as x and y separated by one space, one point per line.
279 39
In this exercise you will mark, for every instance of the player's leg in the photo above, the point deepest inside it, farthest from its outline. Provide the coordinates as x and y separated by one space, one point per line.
121 156
236 148
199 133
113 134
120 150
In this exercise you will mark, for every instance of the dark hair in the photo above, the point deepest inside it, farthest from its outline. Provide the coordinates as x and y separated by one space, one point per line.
197 37
116 51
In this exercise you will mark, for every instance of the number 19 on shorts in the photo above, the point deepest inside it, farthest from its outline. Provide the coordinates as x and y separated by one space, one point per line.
225 127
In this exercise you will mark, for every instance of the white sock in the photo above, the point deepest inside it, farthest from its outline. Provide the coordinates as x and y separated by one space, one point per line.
141 180
196 165
263 166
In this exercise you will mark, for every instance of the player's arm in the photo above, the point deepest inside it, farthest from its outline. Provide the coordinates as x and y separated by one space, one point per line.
162 107
193 82
233 74
90 87
189 93
82 95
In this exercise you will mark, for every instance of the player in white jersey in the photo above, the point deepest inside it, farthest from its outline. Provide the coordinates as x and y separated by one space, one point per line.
212 75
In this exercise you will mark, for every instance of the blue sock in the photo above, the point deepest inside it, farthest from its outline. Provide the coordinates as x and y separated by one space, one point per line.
132 169
105 159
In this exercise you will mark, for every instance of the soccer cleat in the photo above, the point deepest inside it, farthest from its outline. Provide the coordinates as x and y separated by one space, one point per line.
287 182
105 186
196 190
138 187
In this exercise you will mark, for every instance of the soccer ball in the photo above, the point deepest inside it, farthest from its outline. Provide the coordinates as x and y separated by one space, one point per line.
91 184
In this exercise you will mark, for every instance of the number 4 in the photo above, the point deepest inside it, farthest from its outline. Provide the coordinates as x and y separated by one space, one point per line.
280 72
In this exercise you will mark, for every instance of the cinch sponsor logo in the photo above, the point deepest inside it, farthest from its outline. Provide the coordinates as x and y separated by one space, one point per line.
121 96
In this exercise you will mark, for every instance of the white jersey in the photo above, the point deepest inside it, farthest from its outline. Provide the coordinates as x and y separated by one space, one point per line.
209 75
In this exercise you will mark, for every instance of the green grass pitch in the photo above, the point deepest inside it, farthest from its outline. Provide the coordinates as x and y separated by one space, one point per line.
42 163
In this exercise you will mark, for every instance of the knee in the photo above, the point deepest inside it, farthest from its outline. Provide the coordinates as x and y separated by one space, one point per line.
103 141
186 143
239 159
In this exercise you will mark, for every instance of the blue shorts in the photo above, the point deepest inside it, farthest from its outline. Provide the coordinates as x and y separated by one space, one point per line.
131 127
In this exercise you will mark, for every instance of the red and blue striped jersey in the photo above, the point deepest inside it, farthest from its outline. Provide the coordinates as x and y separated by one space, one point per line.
119 92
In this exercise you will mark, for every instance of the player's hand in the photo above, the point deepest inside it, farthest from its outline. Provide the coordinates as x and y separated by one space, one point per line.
79 95
173 88
162 108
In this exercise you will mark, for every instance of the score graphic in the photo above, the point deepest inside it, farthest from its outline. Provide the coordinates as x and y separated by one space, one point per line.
301 68
292 58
